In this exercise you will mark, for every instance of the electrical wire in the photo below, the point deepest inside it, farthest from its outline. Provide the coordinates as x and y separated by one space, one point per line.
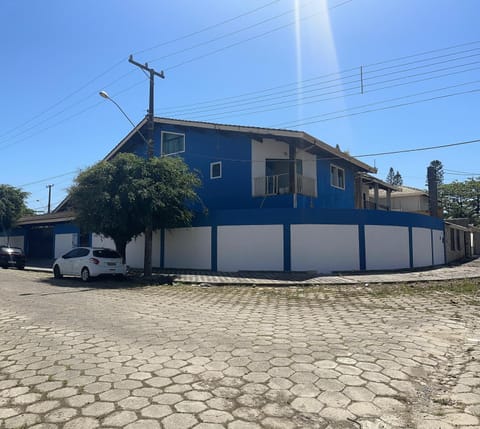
234 99
301 122
116 64
249 39
315 98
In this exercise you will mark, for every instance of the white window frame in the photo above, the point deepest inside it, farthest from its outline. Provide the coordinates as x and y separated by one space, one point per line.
173 153
212 164
334 176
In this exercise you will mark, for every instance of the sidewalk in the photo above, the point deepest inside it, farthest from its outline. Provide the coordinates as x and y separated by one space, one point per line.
470 269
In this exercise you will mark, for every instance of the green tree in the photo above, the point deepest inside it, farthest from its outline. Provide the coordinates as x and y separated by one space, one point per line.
461 200
397 179
117 198
12 206
390 176
394 178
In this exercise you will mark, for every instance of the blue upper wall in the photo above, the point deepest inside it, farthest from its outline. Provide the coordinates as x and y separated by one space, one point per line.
234 189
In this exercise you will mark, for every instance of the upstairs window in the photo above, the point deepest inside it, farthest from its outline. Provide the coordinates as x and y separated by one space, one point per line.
337 177
216 170
172 143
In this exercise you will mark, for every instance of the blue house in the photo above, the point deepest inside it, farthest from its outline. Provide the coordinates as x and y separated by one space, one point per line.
277 200
251 168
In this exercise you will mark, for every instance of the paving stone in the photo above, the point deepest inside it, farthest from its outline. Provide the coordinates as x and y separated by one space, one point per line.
364 409
133 403
221 404
215 416
334 399
82 423
98 409
461 419
61 415
190 406
278 423
278 410
5 413
179 421
156 411
24 420
243 425
167 398
28 398
360 394
62 393
40 407
119 418
309 405
337 414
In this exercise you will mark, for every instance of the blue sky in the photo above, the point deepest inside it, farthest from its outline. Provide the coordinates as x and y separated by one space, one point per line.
297 64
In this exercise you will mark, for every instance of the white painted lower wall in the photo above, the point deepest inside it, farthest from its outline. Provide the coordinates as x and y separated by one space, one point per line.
386 247
14 241
99 240
422 247
135 252
324 248
250 247
64 243
189 248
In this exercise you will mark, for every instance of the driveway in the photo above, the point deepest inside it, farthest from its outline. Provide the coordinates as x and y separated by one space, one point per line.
108 355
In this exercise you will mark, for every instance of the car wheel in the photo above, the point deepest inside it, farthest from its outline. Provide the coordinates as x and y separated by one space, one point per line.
21 267
56 272
85 274
5 267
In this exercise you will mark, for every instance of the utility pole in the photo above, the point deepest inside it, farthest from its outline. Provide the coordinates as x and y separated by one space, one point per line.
49 196
147 263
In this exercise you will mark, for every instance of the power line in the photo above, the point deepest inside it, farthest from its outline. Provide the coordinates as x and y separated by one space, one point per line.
418 149
116 64
48 179
223 36
174 109
205 29
266 33
300 123
315 98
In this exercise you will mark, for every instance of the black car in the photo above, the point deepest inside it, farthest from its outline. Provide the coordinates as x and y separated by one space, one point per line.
12 257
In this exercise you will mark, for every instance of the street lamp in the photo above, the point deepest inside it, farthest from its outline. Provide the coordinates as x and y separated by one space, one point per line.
105 95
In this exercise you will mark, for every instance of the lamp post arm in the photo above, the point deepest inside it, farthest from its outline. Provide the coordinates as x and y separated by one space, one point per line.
128 118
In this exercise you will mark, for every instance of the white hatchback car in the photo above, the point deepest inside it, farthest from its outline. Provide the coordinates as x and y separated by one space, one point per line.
87 262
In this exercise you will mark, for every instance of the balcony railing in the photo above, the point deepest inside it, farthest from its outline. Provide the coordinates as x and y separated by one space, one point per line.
280 184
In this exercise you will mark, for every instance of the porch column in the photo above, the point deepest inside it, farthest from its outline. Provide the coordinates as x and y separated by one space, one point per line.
358 193
389 199
292 173
375 195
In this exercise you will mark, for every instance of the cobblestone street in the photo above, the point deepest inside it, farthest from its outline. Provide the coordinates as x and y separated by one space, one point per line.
78 356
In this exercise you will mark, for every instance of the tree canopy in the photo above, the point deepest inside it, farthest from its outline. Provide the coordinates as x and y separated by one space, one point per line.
461 200
12 206
117 198
394 178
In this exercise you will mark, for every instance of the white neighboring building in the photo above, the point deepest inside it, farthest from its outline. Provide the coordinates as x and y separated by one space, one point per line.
407 199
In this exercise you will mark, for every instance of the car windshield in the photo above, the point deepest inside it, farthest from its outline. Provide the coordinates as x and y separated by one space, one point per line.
15 250
106 253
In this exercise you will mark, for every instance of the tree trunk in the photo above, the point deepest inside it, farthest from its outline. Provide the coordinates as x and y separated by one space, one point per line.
121 246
